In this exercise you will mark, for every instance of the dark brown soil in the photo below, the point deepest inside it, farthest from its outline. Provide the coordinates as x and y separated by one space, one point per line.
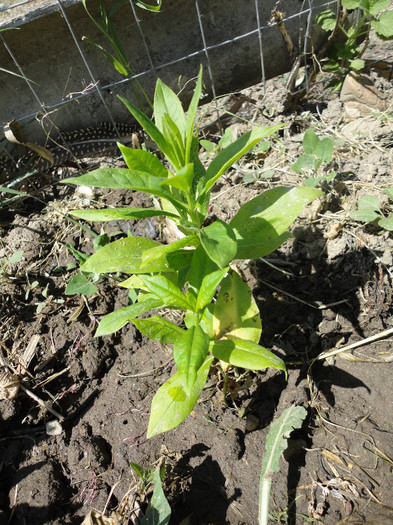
329 286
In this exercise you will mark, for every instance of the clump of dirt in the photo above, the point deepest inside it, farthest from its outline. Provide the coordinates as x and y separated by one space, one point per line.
328 287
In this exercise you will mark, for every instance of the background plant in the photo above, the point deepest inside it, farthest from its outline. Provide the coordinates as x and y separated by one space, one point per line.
317 151
346 53
370 211
186 274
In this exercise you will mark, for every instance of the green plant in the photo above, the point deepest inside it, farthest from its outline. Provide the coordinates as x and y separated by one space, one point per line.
316 152
276 443
118 57
5 263
346 52
186 274
369 211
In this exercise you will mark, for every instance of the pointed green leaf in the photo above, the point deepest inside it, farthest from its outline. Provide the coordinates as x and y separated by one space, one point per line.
259 225
209 287
190 351
182 180
168 292
80 284
127 179
164 249
166 103
157 327
233 152
201 265
171 405
152 130
246 354
120 214
236 313
190 119
141 160
304 162
158 511
115 320
219 242
276 443
125 255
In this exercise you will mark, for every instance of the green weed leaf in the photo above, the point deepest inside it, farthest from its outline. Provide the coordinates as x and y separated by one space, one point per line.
164 249
327 19
190 351
171 405
259 225
157 327
141 160
276 443
219 242
125 255
168 292
368 209
80 284
226 158
182 180
386 223
246 354
120 214
201 265
377 5
209 287
167 104
158 511
384 25
310 141
235 313
115 320
324 149
304 162
190 119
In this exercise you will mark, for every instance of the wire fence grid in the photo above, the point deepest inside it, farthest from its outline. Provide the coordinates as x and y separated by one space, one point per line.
100 86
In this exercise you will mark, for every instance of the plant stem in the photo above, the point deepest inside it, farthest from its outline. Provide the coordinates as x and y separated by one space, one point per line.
264 494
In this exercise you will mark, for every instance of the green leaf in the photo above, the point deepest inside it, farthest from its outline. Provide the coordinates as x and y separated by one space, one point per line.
171 405
246 354
157 327
120 214
109 57
158 511
166 103
351 4
189 352
235 313
233 152
327 19
201 265
173 135
219 242
15 257
208 145
148 7
324 149
384 25
276 443
168 292
164 249
125 255
259 225
80 284
152 130
182 180
310 141
368 209
190 119
386 223
141 160
208 287
357 64
377 5
304 162
115 320
125 179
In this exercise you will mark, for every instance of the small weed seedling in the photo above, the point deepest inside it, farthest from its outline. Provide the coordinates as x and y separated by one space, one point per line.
369 211
316 152
186 274
346 54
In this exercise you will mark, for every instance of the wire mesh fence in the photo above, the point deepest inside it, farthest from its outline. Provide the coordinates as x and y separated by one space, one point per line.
52 78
